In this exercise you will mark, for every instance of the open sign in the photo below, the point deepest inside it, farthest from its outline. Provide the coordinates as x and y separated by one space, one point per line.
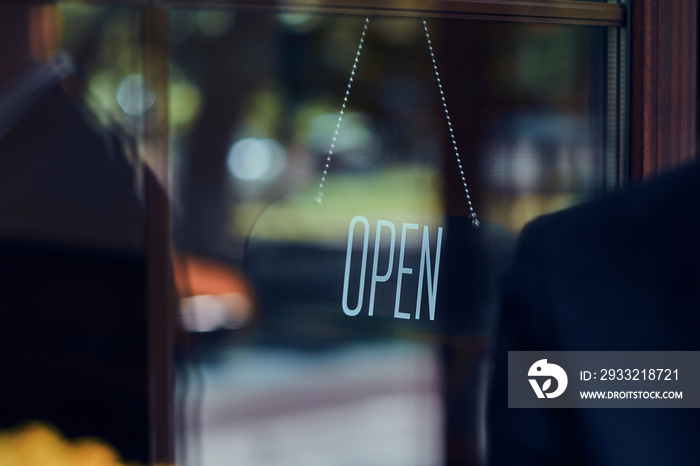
356 266
432 274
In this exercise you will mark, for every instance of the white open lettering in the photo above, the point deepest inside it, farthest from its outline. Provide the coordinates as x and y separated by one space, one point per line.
402 271
432 283
348 257
376 278
427 274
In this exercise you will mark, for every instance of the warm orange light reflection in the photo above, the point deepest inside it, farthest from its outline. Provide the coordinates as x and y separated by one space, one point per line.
213 295
195 275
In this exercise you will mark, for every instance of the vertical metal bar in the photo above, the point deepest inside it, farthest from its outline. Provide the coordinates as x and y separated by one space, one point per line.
612 111
158 241
616 144
623 120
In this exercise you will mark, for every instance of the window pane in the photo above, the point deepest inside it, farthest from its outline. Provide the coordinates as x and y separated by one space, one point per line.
255 100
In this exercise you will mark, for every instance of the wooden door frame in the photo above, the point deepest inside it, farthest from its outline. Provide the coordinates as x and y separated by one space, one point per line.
663 91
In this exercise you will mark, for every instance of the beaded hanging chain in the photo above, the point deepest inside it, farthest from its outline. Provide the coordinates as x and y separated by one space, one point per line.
319 195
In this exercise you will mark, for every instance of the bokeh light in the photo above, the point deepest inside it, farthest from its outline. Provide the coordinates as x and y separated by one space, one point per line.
133 96
256 159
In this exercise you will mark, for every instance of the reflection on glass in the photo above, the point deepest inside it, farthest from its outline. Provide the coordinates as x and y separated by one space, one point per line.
73 267
527 105
357 403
